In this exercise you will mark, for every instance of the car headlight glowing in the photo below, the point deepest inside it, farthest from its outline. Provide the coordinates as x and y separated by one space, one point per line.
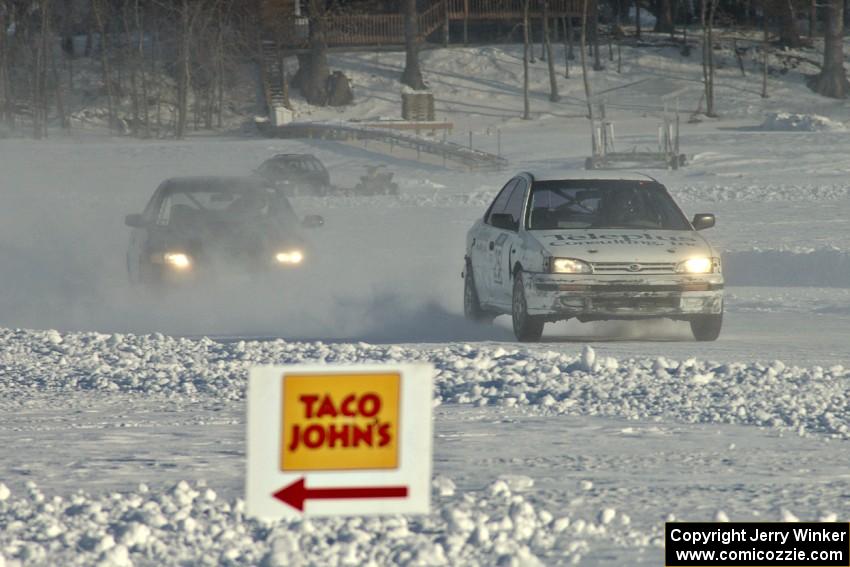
177 260
570 266
699 265
289 257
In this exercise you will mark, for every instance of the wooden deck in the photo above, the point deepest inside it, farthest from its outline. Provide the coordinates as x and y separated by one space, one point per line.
388 29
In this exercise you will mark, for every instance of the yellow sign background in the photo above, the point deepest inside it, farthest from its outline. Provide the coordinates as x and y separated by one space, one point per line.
338 387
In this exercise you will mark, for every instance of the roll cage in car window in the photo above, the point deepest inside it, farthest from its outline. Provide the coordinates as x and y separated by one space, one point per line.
594 203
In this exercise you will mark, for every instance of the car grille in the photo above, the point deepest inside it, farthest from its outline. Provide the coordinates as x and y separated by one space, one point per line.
635 303
634 267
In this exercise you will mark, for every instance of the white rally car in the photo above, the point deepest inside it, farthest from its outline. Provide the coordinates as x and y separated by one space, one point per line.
593 246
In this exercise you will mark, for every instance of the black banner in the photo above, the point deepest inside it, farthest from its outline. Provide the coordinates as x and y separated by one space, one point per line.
757 544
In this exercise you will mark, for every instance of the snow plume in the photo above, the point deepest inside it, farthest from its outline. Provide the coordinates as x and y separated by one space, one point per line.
776 395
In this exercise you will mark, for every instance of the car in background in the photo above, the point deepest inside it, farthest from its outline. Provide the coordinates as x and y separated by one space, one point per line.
592 247
296 174
194 228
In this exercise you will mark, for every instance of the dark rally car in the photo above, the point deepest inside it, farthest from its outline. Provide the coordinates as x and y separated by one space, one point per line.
297 174
196 227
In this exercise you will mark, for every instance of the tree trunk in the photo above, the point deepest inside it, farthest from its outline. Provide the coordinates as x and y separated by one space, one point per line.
583 50
664 18
566 48
526 110
4 70
99 8
597 59
832 81
813 19
553 80
788 34
709 7
412 76
764 48
637 19
184 80
143 79
315 84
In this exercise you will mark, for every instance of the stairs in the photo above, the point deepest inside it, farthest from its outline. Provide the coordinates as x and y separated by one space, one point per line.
274 81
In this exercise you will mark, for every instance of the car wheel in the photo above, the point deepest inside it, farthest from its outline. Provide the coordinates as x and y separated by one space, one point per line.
527 328
707 327
471 306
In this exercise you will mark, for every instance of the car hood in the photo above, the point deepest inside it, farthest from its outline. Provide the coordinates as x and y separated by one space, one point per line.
623 245
231 239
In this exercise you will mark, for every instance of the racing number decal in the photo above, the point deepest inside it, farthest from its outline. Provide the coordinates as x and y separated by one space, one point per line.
497 258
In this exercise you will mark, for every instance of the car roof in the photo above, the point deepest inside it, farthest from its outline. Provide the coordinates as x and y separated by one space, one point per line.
293 156
577 175
212 182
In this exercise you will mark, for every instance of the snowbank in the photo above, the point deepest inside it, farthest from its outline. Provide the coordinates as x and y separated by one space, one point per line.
189 524
775 395
792 122
824 267
763 192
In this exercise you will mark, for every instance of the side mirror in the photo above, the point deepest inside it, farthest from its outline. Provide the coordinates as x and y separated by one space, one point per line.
503 221
313 221
136 221
703 220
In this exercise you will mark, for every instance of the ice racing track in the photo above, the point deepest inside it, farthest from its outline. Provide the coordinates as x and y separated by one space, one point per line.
123 429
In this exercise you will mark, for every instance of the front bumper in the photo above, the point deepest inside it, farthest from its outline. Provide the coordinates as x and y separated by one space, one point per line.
592 297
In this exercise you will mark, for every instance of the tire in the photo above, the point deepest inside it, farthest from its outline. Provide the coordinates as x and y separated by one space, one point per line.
707 327
527 328
471 306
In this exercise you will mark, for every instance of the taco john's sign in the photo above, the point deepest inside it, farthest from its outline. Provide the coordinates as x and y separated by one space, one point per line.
340 421
339 440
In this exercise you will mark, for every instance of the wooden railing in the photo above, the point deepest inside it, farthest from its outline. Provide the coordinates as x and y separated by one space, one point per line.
509 9
388 29
357 29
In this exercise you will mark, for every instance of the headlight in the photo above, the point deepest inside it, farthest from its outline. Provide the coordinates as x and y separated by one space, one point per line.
570 266
177 260
700 265
289 257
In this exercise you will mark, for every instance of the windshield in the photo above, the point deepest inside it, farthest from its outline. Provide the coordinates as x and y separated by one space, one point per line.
187 208
602 204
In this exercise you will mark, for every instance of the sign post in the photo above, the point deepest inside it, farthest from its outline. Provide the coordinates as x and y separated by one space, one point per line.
339 440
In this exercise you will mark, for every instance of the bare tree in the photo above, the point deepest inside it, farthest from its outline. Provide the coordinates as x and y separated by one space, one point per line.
597 58
832 80
39 73
664 17
412 75
764 52
100 13
637 18
314 84
583 50
788 34
550 60
709 8
5 83
568 44
526 111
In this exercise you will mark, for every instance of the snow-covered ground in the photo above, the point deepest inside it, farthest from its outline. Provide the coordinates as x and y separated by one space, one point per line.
124 426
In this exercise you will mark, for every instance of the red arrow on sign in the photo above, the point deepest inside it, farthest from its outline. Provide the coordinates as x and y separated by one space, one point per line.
296 493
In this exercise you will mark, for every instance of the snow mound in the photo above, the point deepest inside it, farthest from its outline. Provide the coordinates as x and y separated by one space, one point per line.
823 267
183 526
792 122
767 192
774 395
